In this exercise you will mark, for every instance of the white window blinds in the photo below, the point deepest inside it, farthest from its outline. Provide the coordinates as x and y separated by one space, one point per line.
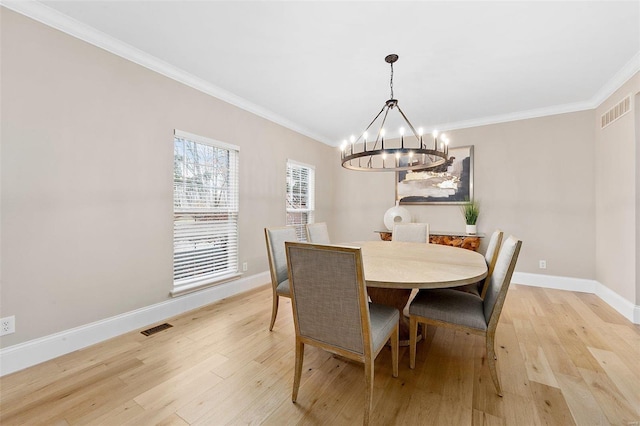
300 196
205 207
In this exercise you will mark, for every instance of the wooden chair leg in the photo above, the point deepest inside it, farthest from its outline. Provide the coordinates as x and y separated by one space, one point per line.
274 311
298 370
413 336
368 379
395 342
491 358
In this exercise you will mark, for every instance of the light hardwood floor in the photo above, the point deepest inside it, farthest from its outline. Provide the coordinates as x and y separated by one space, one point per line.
563 358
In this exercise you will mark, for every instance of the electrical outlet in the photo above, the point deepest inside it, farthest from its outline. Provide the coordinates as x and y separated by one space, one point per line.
543 264
7 325
245 266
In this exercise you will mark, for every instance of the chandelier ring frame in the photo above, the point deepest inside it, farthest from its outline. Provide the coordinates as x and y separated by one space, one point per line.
417 158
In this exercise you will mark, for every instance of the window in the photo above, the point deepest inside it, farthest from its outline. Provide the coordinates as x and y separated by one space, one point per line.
205 212
300 196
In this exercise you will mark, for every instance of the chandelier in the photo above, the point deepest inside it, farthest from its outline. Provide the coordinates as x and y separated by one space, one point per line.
409 153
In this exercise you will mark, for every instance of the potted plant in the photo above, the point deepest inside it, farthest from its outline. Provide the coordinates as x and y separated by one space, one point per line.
470 212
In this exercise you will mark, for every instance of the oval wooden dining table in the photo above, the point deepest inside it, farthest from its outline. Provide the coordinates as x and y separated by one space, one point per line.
392 269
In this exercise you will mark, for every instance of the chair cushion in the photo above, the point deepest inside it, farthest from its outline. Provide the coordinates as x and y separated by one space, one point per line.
383 319
283 288
450 306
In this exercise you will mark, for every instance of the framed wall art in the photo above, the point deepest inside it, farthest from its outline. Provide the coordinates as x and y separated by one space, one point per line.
451 186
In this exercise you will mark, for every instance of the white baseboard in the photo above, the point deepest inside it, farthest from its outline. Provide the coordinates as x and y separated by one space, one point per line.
613 299
559 283
23 355
619 303
27 354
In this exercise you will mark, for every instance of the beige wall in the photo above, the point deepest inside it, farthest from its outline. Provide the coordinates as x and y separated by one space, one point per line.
533 178
617 196
86 174
86 184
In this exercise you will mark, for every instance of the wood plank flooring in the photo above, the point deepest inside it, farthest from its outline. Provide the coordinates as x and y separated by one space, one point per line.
563 358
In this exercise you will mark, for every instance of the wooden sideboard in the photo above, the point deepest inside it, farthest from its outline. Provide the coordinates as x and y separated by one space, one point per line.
455 239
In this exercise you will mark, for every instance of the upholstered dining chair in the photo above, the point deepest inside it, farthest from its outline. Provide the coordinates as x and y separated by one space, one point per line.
411 232
490 256
331 310
275 238
465 311
318 233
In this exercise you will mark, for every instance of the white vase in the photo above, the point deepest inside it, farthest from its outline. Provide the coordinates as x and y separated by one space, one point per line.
471 229
396 214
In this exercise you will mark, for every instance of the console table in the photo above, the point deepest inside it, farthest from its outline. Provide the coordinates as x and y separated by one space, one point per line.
454 239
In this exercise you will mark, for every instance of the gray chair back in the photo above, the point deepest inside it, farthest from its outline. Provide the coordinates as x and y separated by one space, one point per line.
493 248
500 280
276 238
318 233
411 232
329 294
490 256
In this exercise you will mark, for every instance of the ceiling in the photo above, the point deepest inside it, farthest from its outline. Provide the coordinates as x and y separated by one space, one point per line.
318 67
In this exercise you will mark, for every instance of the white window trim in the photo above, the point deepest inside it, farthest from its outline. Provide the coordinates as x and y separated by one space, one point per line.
195 284
202 139
312 200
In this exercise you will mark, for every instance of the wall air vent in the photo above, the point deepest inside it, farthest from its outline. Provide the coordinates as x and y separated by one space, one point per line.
617 111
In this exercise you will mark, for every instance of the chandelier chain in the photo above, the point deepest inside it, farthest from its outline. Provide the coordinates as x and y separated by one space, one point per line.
391 81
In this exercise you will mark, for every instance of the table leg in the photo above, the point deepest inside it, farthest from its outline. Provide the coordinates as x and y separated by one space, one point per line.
398 299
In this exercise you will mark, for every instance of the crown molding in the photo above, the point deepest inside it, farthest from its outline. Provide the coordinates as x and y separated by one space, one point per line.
52 18
515 116
621 77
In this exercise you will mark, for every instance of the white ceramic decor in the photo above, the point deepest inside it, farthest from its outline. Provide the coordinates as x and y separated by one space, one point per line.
396 214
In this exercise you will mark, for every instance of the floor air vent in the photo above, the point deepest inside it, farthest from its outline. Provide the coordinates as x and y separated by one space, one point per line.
617 111
156 329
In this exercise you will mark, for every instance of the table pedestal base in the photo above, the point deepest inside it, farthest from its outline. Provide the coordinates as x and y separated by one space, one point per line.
397 298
